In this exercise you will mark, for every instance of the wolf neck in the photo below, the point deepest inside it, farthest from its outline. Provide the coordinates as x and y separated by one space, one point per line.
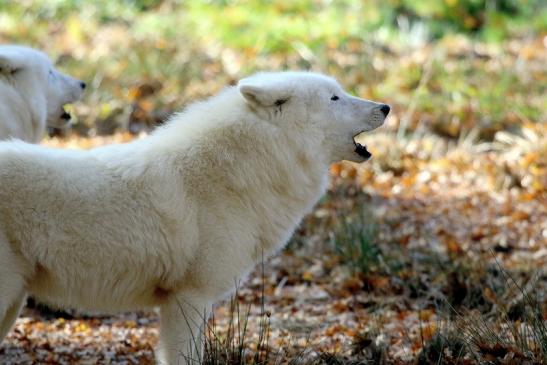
274 181
240 158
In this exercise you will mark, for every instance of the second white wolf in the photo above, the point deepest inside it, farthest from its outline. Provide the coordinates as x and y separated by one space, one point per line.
32 93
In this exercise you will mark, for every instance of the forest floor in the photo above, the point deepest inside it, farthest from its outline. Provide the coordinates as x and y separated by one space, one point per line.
388 263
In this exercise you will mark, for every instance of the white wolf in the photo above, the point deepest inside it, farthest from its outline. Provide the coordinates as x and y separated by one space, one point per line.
32 93
176 219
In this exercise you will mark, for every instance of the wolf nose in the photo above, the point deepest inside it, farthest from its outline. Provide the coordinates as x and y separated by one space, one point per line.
82 85
385 109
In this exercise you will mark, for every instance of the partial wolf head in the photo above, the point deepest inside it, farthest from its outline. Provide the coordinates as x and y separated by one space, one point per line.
317 105
35 78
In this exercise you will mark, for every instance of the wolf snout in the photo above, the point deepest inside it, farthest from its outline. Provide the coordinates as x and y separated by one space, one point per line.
384 108
83 85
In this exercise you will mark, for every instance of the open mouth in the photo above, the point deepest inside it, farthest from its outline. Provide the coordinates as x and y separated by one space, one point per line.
65 116
360 149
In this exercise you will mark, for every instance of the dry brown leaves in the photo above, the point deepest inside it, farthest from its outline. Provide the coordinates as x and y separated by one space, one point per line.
455 203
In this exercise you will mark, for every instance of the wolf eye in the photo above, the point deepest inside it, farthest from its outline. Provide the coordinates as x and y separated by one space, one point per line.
334 97
279 102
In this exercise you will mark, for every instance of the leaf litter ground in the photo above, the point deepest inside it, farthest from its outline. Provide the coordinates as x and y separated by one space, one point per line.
444 227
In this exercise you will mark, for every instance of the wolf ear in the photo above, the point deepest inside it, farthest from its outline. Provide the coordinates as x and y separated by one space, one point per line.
259 95
253 94
8 65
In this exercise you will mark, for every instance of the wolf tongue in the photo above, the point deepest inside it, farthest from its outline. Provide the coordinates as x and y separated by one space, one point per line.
362 150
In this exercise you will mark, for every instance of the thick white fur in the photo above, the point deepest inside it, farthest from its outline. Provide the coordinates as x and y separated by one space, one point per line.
32 93
176 219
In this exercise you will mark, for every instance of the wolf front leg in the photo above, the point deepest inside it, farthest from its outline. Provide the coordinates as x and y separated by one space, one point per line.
182 326
7 319
12 287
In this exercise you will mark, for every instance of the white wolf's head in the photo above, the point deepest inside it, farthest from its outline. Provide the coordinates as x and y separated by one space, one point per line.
316 105
34 76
